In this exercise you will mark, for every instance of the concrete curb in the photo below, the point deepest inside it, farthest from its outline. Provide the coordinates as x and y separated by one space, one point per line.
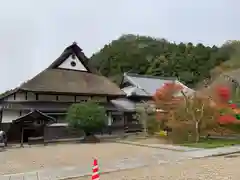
214 152
105 172
223 154
114 170
166 147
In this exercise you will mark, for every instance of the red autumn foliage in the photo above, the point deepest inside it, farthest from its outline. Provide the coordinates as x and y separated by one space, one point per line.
233 106
226 119
223 94
165 97
167 92
166 100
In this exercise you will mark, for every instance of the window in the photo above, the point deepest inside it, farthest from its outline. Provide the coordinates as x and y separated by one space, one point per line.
73 56
117 119
73 64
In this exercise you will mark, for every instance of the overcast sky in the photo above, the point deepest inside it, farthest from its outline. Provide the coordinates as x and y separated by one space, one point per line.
33 33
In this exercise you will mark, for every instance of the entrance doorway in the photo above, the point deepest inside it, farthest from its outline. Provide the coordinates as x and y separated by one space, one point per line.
32 133
32 126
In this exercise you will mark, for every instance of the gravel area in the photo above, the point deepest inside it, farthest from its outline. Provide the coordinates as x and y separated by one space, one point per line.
217 168
27 159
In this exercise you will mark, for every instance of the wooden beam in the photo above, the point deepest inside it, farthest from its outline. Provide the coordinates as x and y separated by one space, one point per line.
1 112
26 95
22 132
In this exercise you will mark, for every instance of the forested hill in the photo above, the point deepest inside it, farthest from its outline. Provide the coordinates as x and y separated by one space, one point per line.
148 55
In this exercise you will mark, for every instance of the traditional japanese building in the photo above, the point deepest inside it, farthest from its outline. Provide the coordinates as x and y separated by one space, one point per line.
140 90
45 98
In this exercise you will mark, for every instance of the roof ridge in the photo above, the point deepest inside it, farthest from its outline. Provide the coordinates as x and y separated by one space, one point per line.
149 76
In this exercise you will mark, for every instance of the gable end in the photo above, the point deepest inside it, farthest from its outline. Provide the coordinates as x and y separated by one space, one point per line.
72 58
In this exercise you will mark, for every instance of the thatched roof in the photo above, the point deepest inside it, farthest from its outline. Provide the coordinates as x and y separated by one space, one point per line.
66 81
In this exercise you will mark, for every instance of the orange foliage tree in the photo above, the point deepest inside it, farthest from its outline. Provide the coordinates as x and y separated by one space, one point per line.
196 110
192 110
166 100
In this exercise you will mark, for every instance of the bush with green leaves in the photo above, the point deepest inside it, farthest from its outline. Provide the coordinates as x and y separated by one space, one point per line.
152 125
88 116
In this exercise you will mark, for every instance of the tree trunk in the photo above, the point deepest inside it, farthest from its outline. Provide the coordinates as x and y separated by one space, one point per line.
197 132
22 133
144 122
90 138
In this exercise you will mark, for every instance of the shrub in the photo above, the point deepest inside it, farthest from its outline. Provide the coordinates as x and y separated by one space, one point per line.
152 125
88 116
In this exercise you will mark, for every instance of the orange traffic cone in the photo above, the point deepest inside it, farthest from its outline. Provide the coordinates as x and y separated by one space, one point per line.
95 173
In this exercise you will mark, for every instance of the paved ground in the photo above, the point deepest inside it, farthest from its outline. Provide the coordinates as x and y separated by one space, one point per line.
217 168
78 155
65 160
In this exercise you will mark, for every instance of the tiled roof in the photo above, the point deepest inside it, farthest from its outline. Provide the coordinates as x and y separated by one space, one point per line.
147 85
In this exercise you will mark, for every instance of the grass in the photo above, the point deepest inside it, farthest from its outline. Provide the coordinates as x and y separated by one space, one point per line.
213 143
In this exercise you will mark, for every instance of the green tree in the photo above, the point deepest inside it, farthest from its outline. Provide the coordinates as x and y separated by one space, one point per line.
87 116
152 56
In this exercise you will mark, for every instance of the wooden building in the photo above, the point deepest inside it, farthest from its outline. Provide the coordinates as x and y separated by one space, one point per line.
140 90
45 98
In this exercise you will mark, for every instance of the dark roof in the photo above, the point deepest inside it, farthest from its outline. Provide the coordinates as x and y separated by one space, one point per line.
34 115
54 80
73 49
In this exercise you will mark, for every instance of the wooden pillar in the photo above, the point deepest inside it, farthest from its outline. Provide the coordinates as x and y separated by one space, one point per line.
125 118
110 121
44 130
22 132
